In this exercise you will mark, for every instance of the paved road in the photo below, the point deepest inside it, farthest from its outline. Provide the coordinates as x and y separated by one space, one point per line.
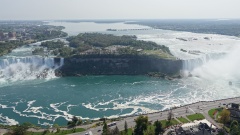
199 107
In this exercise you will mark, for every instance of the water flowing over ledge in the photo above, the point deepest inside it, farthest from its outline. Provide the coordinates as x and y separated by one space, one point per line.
28 68
191 64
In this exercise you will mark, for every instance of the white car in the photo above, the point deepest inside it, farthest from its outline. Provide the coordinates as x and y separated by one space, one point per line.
89 133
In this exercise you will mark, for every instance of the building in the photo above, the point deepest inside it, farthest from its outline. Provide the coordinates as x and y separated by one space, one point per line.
234 111
1 35
202 127
233 106
11 34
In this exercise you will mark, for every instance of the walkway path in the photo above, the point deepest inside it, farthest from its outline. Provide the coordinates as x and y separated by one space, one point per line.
177 120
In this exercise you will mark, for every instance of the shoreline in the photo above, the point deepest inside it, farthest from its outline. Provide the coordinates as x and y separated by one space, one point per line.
177 107
159 115
153 112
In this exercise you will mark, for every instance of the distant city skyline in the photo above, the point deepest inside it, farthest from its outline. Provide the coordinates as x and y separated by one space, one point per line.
118 9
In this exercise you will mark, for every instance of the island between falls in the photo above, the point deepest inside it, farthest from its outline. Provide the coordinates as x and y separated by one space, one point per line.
105 54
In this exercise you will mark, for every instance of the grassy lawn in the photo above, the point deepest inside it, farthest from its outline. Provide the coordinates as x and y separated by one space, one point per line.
166 124
197 116
159 53
130 131
183 120
210 113
62 132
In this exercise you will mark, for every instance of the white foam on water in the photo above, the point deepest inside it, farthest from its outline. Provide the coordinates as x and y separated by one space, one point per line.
69 107
7 121
44 124
188 41
64 114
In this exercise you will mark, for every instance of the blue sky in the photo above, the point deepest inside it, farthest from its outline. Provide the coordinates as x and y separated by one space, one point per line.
118 9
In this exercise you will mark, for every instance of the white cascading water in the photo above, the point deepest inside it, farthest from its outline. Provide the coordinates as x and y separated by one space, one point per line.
14 69
191 64
224 67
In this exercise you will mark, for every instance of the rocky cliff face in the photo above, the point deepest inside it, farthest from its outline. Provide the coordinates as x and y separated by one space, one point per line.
118 66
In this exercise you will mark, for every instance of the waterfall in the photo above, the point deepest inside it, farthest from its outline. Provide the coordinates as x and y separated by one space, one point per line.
190 64
61 62
28 68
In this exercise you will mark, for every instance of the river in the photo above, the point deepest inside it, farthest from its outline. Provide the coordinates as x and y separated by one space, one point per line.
25 97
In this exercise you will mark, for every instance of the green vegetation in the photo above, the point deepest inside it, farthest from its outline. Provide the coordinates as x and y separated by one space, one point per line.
38 51
226 129
149 130
106 45
129 132
183 120
159 53
105 40
65 52
141 125
53 44
20 129
197 116
125 127
7 47
215 111
63 132
144 127
17 34
107 131
211 113
166 123
97 43
158 127
225 116
75 122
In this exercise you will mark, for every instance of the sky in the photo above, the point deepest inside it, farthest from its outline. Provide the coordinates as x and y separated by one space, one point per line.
118 9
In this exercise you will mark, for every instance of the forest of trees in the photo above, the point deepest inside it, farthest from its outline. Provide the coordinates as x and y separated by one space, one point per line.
97 44
7 47
105 40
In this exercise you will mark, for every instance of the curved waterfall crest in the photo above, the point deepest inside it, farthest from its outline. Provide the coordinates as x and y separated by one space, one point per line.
191 64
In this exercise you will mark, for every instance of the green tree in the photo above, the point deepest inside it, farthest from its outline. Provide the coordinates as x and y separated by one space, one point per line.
149 131
115 131
225 116
170 115
65 51
141 125
56 126
125 127
158 128
234 128
45 132
38 51
21 129
75 122
105 130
